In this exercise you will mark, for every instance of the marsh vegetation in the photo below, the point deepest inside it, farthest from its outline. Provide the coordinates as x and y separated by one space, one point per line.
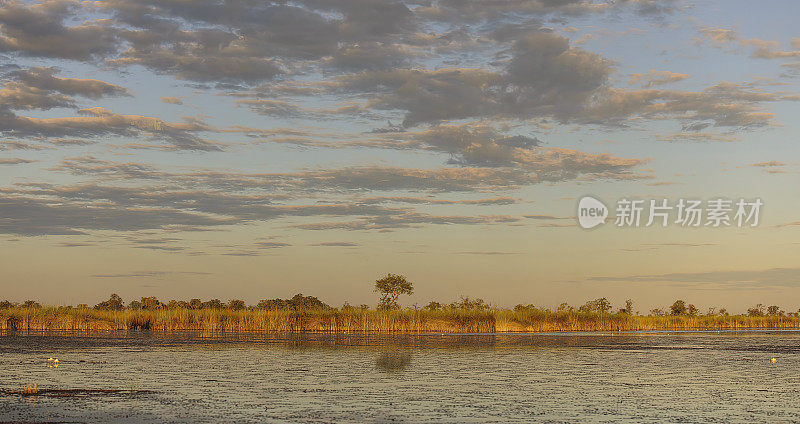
308 314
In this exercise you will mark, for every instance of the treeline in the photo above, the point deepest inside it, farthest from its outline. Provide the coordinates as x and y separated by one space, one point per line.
307 303
298 301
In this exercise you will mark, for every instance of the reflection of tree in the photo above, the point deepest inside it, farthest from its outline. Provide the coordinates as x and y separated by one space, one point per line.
393 361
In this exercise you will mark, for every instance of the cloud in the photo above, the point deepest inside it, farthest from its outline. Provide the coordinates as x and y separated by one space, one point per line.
172 100
271 244
15 161
656 78
552 165
45 79
371 55
481 145
336 244
771 167
475 10
771 163
437 201
37 209
721 105
771 50
38 29
407 219
78 244
97 122
698 136
766 278
149 274
716 36
537 74
488 253
19 145
659 246
545 77
33 216
363 178
729 39
39 88
272 107
240 43
547 217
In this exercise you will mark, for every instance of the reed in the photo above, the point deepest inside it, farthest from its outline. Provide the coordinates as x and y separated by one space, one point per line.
448 320
29 390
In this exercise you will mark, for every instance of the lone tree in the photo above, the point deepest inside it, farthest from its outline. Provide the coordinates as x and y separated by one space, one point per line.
391 287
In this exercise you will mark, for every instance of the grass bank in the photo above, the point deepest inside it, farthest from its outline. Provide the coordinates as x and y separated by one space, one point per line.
367 320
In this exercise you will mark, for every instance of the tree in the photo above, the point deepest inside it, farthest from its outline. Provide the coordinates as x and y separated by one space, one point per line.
529 307
774 311
565 307
114 303
601 305
213 304
195 304
271 304
180 304
6 305
236 305
151 302
31 304
757 311
433 306
678 308
467 303
391 287
629 307
691 310
299 301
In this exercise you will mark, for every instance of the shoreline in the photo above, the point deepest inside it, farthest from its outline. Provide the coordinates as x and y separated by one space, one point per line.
202 334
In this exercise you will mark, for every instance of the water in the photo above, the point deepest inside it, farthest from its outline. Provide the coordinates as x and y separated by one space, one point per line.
632 377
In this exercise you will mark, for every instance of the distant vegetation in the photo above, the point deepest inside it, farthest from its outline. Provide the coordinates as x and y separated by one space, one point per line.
309 314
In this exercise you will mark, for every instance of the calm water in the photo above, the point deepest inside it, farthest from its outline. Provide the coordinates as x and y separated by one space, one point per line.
662 377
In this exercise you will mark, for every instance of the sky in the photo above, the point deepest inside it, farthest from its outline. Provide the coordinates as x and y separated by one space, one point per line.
253 149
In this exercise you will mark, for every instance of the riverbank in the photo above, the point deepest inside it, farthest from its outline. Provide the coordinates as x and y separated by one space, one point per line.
368 321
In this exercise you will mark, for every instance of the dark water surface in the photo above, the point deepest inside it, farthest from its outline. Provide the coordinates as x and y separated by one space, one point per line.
604 377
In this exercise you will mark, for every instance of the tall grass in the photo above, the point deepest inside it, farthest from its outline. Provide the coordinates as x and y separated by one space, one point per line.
366 320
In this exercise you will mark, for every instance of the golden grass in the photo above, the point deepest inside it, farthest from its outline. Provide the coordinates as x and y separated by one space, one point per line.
30 390
366 321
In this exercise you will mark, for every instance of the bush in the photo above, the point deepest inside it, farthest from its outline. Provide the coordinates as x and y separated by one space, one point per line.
114 303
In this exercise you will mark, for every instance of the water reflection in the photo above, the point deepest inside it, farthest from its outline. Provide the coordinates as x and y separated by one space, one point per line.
393 361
